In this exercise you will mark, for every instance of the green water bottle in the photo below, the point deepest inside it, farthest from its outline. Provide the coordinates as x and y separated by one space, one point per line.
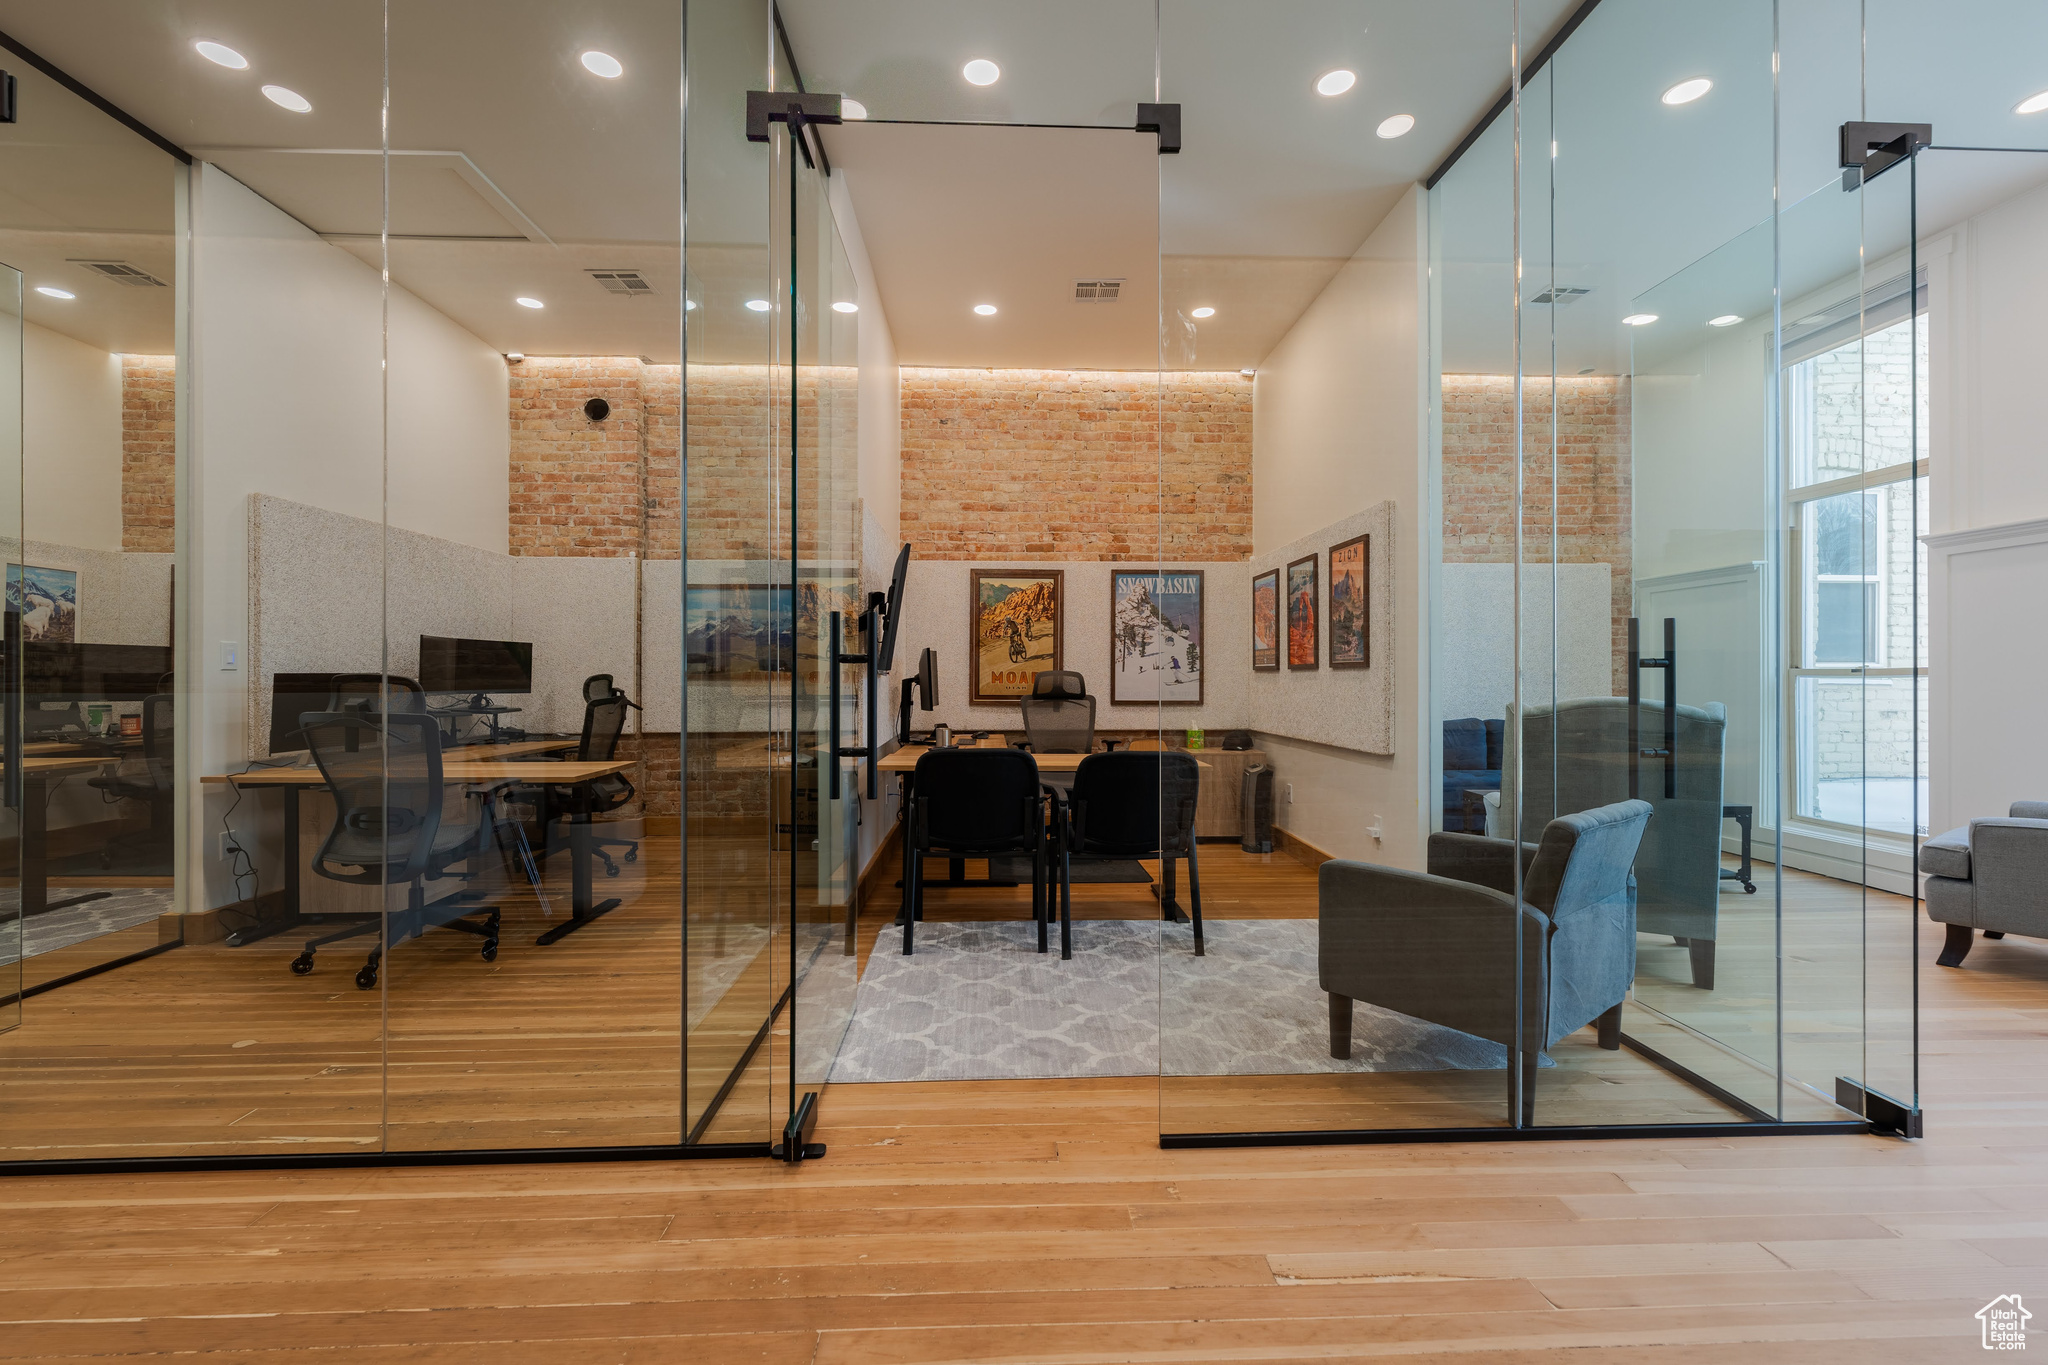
1194 739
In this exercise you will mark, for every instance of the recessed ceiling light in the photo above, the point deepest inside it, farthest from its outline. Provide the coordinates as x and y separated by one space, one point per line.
759 305
987 310
54 292
1203 313
525 302
1725 320
1685 92
220 54
1639 319
603 64
845 306
287 99
981 71
1249 374
1395 126
1335 82
2032 104
852 108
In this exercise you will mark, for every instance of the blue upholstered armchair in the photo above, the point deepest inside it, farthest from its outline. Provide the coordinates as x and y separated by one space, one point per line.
1440 945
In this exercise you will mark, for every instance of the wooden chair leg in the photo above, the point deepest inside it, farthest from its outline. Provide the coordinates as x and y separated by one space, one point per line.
1702 950
1340 1026
1609 1025
1957 946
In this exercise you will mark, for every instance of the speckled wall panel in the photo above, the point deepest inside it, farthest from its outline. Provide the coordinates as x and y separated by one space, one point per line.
1347 708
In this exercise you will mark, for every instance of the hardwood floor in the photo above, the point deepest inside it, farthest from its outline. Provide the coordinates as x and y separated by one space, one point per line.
1040 1222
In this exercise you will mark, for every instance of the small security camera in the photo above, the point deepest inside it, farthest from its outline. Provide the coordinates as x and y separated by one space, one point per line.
597 409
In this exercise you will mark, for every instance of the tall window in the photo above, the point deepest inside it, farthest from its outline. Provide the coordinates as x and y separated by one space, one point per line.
1856 421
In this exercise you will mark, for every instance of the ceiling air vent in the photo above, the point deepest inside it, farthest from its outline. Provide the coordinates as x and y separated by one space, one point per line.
1097 291
626 282
120 272
1561 294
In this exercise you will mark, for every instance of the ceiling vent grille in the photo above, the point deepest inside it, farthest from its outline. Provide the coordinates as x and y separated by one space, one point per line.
120 272
1561 294
628 283
1097 291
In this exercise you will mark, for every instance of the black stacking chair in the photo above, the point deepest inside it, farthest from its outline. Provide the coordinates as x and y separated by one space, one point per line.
156 784
384 770
1136 805
604 720
978 803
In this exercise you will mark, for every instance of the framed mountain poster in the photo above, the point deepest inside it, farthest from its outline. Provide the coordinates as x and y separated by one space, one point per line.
1266 622
1015 631
1303 641
1155 636
1350 583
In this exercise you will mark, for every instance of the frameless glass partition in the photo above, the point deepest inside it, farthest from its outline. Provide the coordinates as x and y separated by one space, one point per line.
13 922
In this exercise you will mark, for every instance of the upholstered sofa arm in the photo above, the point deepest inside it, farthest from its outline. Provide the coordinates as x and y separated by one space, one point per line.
2013 852
1947 855
1430 947
1477 859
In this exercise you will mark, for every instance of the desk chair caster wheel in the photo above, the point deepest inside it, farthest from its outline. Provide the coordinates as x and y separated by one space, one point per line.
633 854
302 965
1749 888
490 950
611 869
366 979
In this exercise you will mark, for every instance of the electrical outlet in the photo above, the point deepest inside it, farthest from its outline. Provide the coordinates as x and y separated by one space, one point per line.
228 844
1290 794
1374 828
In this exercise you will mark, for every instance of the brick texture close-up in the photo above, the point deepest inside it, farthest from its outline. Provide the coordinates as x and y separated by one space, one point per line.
149 446
1069 465
1592 495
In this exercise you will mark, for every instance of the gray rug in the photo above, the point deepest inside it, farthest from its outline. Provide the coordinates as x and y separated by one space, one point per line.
977 1002
123 908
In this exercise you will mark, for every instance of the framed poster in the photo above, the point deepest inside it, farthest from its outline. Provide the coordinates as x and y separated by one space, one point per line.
1266 622
1155 636
1015 630
48 602
1350 583
1303 642
737 632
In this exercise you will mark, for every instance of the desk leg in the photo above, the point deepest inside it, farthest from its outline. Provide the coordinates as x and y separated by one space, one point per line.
581 911
293 869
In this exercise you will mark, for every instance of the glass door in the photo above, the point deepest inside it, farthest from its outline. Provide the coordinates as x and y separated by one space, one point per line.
12 920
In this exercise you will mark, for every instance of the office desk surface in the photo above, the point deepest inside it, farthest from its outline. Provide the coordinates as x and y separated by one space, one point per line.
905 760
453 770
59 765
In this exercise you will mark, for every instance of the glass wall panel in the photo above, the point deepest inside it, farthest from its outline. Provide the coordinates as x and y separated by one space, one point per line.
13 922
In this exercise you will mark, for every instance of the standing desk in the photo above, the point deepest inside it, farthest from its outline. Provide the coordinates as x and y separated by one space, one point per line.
465 765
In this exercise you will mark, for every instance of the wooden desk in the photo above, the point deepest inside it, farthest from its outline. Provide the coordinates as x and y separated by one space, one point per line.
467 771
37 770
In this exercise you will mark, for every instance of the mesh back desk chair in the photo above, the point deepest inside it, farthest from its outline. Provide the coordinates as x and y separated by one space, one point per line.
1059 718
974 803
389 829
365 692
604 720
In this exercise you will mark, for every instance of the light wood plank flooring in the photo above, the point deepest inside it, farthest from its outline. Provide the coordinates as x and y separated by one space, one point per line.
1040 1222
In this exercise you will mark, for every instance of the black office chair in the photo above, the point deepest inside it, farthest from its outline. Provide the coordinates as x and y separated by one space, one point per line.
978 803
1059 718
360 692
1137 805
384 770
157 783
604 720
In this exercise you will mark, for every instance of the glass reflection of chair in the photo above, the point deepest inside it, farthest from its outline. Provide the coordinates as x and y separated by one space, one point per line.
604 720
385 773
157 783
1440 946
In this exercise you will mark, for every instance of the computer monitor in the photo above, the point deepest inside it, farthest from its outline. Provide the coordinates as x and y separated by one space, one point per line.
475 666
74 672
926 683
892 613
291 696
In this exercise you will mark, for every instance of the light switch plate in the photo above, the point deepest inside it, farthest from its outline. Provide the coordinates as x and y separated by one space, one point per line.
230 655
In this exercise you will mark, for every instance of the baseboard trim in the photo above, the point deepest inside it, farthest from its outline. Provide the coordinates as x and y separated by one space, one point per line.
1298 848
877 865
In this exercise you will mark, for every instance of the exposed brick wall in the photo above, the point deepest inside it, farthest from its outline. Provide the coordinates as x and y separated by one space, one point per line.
1067 464
1594 520
575 482
149 393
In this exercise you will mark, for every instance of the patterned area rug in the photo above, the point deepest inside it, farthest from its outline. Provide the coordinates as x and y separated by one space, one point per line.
123 908
977 1002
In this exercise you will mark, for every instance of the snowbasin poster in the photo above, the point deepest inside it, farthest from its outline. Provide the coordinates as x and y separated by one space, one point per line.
1155 637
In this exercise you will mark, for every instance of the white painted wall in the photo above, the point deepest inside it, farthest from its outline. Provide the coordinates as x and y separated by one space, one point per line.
287 398
880 383
1338 425
71 440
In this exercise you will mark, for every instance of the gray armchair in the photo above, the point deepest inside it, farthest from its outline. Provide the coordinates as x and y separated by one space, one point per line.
1440 945
1678 871
1991 875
